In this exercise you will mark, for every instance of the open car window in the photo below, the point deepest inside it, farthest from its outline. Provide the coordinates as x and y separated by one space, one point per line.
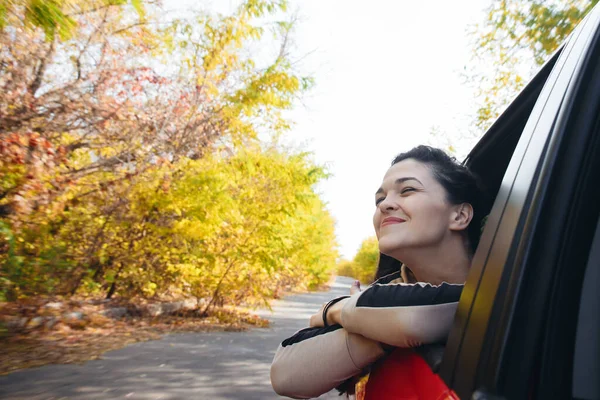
490 157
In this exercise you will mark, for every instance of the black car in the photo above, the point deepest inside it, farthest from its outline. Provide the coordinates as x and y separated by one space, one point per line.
528 322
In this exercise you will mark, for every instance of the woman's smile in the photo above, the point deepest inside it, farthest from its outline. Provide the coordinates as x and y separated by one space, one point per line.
392 220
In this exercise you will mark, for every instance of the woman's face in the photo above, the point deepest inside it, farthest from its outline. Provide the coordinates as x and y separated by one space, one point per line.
411 210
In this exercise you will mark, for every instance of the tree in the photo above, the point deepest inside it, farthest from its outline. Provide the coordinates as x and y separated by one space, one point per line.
131 162
52 16
515 39
364 264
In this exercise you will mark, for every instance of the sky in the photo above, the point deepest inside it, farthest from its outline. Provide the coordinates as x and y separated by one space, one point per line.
386 73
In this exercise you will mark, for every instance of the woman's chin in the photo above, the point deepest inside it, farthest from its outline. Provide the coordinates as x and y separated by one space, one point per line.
389 247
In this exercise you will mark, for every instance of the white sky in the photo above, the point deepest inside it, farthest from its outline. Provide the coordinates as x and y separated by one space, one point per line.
386 72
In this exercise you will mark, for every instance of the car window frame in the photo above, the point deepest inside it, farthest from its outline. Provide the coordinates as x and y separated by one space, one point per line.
560 247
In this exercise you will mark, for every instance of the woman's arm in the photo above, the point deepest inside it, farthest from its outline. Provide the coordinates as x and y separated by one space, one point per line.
316 360
399 314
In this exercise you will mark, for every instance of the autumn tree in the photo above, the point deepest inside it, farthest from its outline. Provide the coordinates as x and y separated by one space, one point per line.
513 41
364 264
54 17
131 162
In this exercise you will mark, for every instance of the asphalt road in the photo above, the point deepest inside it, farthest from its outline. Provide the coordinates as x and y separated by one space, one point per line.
220 365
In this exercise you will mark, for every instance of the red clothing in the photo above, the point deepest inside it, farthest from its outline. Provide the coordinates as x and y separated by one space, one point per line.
404 375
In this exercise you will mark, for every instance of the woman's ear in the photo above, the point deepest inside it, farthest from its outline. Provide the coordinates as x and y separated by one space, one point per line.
461 217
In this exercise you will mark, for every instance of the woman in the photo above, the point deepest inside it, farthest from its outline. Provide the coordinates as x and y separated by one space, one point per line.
428 214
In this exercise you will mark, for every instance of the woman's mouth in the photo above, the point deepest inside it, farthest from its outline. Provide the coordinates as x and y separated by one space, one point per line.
392 220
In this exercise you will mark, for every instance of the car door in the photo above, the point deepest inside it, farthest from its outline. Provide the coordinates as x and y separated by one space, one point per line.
516 326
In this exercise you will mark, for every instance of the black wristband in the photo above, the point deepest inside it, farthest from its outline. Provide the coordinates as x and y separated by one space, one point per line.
331 302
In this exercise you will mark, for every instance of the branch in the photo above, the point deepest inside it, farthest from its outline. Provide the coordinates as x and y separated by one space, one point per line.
76 145
91 10
105 184
39 74
103 163
87 43
126 28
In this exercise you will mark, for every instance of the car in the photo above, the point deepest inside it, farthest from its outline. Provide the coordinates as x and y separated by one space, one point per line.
528 321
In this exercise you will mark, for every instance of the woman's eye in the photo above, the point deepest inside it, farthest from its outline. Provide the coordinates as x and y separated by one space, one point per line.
379 200
408 189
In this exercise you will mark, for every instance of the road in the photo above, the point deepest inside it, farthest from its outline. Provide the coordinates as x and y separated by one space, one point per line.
219 365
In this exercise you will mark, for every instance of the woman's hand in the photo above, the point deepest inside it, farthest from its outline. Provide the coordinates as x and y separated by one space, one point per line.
333 314
316 320
355 288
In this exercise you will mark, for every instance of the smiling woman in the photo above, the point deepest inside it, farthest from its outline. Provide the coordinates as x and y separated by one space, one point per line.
427 215
425 212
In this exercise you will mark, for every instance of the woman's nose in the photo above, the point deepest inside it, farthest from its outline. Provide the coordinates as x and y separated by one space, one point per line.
388 204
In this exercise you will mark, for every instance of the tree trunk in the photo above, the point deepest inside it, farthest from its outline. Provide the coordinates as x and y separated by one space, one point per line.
113 285
111 290
215 295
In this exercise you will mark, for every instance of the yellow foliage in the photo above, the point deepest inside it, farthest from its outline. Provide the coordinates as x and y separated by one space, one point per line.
514 40
364 265
155 185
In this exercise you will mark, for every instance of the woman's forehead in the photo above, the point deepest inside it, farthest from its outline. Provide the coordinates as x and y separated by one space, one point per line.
408 169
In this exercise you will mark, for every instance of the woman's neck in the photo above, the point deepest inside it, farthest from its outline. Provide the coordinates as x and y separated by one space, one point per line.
450 263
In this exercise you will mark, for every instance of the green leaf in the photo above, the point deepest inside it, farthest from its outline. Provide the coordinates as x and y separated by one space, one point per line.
138 5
